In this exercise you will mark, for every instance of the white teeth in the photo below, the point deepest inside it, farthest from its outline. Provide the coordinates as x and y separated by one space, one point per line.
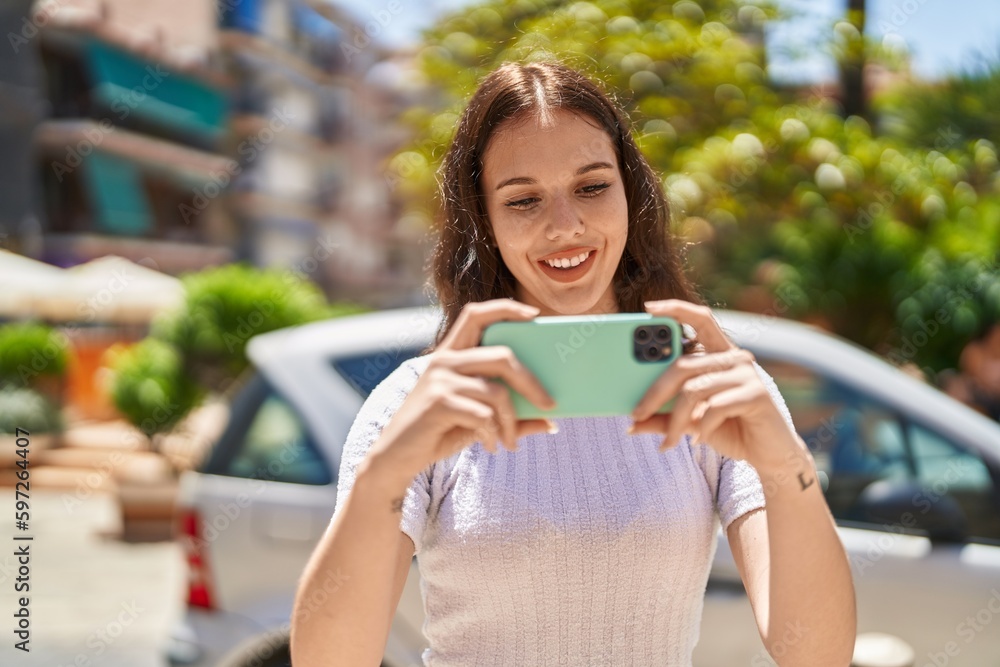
565 262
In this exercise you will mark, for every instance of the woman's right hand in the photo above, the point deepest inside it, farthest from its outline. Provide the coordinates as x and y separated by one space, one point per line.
455 402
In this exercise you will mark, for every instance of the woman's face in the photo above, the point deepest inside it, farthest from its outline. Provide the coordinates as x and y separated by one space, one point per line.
555 199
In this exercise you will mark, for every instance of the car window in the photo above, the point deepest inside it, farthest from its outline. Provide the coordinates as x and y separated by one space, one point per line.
365 371
945 468
856 441
268 439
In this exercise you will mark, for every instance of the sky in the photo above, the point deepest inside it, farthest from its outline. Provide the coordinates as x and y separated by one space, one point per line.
943 36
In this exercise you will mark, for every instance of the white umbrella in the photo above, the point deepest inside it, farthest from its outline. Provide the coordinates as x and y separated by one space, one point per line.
115 289
110 289
25 283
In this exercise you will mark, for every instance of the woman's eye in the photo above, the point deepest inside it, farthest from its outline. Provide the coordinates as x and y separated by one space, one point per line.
521 203
595 189
587 190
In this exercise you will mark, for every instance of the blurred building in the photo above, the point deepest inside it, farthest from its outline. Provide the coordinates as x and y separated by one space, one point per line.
309 135
137 114
188 133
21 108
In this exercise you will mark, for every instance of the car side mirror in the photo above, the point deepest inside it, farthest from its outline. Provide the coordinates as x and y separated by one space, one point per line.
911 505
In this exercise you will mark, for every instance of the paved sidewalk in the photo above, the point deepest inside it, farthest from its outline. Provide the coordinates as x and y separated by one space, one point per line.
94 601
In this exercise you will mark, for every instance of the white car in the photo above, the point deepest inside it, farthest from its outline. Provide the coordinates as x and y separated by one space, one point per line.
912 477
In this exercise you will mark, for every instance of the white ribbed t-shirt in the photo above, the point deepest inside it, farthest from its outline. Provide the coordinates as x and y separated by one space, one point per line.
586 547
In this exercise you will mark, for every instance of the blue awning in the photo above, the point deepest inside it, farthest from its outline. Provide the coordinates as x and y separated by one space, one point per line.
126 84
117 197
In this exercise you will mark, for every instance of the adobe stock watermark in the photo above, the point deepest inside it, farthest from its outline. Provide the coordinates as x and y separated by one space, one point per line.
909 346
900 15
362 36
923 501
40 361
758 324
89 311
277 640
122 107
229 513
792 635
967 630
32 25
388 357
946 138
249 149
255 320
104 298
754 153
104 637
131 441
577 337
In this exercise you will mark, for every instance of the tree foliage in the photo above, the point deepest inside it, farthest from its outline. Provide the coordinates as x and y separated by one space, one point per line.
201 347
29 351
789 207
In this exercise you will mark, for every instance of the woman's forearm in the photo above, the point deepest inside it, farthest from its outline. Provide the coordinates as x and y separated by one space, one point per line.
812 616
344 603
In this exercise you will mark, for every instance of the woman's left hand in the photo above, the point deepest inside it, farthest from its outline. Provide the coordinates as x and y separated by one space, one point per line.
721 400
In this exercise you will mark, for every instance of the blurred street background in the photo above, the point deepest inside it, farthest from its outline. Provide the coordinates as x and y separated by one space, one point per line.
179 176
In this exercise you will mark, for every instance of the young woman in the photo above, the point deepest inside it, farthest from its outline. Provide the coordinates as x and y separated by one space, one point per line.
589 544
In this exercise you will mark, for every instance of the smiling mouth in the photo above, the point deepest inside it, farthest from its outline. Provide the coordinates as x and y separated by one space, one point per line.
568 269
569 262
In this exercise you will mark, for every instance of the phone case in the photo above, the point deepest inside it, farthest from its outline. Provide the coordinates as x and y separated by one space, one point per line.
587 363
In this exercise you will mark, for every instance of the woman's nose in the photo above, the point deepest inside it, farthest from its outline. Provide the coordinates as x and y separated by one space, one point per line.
566 221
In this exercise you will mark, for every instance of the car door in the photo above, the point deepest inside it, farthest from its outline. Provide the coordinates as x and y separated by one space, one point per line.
265 498
895 487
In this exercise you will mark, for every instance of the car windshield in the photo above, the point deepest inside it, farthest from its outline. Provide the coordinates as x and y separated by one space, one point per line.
365 371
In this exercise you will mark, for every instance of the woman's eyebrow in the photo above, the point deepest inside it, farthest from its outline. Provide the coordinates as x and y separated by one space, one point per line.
527 180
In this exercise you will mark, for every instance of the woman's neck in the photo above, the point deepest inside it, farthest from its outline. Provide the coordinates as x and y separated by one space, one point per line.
608 303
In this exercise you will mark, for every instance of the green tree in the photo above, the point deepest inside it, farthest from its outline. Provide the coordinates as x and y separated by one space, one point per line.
226 306
150 387
30 352
779 195
201 347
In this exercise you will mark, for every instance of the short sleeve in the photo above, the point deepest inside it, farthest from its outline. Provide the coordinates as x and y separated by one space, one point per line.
735 484
374 414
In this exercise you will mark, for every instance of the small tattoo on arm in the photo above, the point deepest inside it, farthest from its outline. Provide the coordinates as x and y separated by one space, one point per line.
397 505
804 483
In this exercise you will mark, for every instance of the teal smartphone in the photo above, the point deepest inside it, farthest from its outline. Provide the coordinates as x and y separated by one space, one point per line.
592 365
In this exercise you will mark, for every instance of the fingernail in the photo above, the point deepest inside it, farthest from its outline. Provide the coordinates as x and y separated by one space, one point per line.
553 428
631 429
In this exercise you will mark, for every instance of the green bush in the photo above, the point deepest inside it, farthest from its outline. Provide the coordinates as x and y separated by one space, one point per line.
28 410
227 306
28 351
150 387
201 347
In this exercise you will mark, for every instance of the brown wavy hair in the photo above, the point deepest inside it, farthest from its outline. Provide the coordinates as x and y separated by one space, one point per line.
467 267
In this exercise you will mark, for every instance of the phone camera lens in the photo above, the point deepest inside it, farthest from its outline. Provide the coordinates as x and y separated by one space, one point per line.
663 335
641 335
651 353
